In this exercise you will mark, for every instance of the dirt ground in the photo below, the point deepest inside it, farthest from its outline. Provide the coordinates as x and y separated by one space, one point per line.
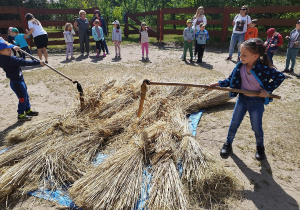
271 184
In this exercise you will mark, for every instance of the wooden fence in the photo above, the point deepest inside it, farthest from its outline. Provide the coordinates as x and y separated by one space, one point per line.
22 23
225 21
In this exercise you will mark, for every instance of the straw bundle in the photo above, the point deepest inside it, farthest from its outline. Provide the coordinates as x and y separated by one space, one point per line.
117 182
61 150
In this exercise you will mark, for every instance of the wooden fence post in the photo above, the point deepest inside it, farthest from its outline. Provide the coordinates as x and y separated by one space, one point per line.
126 26
24 23
158 24
162 24
225 24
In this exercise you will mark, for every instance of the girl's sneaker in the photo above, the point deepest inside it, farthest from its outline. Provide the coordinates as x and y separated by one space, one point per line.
97 55
72 58
104 55
147 58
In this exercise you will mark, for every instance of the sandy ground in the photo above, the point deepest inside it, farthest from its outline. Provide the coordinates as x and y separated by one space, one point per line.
272 184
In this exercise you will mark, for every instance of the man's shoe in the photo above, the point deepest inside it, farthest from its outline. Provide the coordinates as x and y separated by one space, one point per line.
24 117
292 71
260 153
285 71
226 150
228 59
32 113
191 60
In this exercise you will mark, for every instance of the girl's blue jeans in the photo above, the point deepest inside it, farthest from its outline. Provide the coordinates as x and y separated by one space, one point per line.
20 89
255 107
236 38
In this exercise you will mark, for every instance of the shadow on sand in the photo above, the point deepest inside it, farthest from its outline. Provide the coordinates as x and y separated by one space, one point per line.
267 194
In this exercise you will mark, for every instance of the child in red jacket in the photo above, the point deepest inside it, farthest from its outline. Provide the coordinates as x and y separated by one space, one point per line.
274 41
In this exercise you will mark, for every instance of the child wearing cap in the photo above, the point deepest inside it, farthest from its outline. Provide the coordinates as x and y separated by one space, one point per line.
252 31
12 67
188 36
117 38
20 41
273 42
292 48
201 37
11 40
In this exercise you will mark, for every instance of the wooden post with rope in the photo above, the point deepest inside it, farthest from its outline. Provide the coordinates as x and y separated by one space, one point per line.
148 82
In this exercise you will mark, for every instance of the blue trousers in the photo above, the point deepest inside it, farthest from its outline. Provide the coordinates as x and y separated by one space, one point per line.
105 45
270 55
20 89
236 38
291 55
255 107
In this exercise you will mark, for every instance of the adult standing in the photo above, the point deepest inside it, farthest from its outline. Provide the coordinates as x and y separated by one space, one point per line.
292 48
198 18
240 24
40 36
97 15
82 25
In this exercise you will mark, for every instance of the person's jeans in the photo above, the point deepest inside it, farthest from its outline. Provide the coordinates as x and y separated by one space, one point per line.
236 38
291 55
26 49
255 107
270 55
105 45
20 89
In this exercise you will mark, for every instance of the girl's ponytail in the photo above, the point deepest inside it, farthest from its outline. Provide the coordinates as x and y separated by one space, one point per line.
266 61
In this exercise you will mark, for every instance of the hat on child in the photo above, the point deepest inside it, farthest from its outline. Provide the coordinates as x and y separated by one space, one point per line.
10 28
15 30
189 21
5 45
116 22
298 21
143 24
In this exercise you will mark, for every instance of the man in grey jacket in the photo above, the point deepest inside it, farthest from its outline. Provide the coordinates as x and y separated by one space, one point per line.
292 48
188 36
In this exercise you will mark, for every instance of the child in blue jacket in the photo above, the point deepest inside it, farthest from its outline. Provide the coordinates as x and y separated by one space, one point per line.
97 33
201 37
256 73
12 67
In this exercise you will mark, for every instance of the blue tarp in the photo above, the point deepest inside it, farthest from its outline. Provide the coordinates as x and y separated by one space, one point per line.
62 196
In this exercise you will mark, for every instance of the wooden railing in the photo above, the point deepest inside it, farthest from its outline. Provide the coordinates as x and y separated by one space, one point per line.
224 20
22 23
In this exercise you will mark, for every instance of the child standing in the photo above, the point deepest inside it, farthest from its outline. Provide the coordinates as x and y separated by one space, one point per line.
252 31
274 41
11 39
188 36
97 33
20 41
117 38
292 48
201 38
12 67
198 18
98 16
254 72
144 40
68 34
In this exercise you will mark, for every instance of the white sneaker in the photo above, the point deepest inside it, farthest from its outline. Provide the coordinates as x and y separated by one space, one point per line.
195 57
88 54
181 57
